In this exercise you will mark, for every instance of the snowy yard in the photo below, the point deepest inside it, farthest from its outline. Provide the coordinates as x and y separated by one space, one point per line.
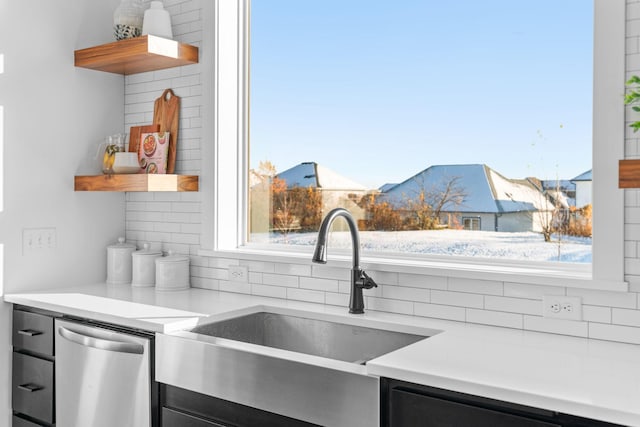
514 246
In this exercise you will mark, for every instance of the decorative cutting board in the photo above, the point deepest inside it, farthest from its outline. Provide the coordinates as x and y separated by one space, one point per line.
166 113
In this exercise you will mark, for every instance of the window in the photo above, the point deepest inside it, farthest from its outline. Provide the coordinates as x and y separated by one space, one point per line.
416 118
227 201
471 223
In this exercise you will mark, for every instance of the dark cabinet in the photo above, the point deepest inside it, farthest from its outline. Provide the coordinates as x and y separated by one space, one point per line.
407 405
185 408
32 382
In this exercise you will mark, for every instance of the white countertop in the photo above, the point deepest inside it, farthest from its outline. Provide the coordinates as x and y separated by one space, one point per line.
589 378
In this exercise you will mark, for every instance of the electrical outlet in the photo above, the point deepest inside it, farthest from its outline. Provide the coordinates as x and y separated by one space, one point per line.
36 239
562 307
238 273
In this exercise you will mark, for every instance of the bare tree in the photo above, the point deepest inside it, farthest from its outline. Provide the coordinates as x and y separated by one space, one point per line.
428 201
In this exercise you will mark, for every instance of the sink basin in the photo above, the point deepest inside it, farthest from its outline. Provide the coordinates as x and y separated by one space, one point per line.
303 365
315 337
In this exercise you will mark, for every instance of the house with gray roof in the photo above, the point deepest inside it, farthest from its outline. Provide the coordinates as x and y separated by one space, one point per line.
335 189
486 200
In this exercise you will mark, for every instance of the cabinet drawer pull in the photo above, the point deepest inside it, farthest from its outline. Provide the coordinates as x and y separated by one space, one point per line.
29 332
30 387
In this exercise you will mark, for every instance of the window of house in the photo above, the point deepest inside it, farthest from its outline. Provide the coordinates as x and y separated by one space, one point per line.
472 224
421 119
237 227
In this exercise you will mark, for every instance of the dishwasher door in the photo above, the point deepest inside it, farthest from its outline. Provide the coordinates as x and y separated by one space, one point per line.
102 377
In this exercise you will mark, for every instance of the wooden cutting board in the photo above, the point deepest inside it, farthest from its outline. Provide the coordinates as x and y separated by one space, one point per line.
136 132
166 113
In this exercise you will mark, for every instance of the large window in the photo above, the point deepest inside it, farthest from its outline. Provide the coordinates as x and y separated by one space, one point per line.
227 230
445 128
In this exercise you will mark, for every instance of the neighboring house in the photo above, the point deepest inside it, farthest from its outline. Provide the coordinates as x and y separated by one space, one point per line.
564 189
491 202
584 188
336 190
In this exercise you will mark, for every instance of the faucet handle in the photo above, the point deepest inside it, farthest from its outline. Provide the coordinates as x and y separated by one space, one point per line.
367 282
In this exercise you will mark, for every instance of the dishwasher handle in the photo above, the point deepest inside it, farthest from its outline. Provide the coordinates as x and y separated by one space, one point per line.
100 343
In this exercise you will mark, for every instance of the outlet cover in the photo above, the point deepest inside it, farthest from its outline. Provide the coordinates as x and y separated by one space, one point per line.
238 274
562 307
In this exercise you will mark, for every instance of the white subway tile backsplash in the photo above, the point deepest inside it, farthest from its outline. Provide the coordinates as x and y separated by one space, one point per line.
388 305
604 331
440 311
620 316
404 293
556 326
281 280
325 272
239 288
269 291
495 318
305 295
341 300
513 305
204 283
520 290
293 269
422 281
604 298
327 285
459 299
485 287
592 313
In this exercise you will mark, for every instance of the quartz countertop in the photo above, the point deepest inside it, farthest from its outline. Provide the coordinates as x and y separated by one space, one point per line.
588 378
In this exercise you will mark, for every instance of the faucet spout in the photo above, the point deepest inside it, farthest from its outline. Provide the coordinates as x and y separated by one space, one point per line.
359 279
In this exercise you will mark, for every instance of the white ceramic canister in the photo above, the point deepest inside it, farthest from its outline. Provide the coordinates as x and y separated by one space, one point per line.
144 266
157 21
119 262
172 272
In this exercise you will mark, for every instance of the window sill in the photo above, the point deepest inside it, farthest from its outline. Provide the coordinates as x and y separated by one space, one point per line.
547 274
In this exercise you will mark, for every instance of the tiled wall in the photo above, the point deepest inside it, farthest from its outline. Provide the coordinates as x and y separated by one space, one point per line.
172 221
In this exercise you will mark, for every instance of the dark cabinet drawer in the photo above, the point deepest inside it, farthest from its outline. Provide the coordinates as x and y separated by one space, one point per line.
33 332
171 418
32 390
411 409
21 422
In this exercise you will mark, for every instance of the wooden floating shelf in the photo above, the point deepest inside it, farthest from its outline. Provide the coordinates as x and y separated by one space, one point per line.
137 55
629 174
136 182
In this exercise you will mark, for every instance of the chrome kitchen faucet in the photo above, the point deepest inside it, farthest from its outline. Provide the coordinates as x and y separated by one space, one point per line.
359 279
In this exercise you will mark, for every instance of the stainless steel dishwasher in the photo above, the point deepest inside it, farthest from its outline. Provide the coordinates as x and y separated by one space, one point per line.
103 377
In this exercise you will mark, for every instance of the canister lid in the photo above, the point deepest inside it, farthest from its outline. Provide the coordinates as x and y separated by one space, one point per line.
172 258
147 251
122 244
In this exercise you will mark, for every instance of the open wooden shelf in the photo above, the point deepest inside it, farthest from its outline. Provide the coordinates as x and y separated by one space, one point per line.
136 182
629 174
137 55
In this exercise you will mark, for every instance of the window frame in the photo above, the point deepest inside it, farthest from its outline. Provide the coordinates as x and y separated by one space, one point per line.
224 58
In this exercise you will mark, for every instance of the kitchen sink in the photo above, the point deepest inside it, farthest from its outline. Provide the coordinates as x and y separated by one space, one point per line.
322 338
304 365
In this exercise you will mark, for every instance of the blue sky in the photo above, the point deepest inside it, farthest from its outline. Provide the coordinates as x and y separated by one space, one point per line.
380 90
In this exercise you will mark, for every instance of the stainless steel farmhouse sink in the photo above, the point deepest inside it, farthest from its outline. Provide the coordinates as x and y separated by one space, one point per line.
308 366
339 341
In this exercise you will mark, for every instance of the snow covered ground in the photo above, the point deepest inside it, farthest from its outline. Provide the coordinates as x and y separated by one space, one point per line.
514 246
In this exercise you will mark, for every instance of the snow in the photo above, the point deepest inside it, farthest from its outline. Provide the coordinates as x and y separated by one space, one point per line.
485 244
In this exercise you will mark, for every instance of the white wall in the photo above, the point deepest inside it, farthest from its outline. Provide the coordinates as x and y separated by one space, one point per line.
54 115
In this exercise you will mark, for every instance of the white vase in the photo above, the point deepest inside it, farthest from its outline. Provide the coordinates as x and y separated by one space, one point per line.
157 21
